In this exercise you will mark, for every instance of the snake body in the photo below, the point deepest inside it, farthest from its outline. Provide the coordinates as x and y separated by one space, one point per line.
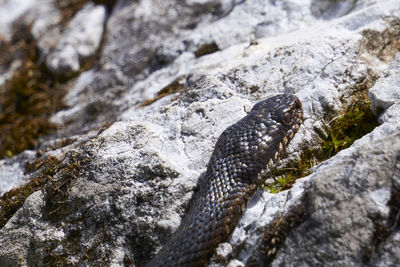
241 155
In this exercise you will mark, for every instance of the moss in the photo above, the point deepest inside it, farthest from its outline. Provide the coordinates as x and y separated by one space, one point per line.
287 176
57 189
55 178
60 143
29 97
7 52
344 130
281 183
13 200
27 100
72 246
175 87
127 261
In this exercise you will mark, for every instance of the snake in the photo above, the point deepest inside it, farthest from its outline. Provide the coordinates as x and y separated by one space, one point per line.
243 155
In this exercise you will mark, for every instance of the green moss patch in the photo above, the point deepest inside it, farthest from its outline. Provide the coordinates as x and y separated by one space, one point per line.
355 121
345 129
287 176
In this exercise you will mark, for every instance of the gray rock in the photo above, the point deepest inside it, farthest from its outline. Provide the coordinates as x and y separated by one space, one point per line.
46 26
121 190
387 254
10 176
328 9
12 171
10 11
80 39
345 204
18 232
385 95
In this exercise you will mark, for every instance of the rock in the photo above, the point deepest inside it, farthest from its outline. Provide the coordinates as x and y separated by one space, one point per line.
387 253
170 79
80 40
21 237
10 176
72 99
12 172
385 95
10 11
346 207
327 9
46 25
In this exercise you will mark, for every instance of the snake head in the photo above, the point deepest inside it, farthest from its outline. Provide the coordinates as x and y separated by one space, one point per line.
277 120
283 109
247 149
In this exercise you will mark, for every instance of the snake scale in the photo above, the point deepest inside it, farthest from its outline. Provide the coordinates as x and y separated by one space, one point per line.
243 152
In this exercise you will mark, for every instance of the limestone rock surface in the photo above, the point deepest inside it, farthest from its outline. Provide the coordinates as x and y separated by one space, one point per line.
141 125
80 39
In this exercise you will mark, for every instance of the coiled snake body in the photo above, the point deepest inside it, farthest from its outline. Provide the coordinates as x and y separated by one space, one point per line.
242 153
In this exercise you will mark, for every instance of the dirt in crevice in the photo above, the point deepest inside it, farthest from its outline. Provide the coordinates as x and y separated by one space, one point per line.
206 49
177 86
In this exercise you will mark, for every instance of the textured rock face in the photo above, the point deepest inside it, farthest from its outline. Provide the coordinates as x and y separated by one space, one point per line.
170 78
80 40
346 209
